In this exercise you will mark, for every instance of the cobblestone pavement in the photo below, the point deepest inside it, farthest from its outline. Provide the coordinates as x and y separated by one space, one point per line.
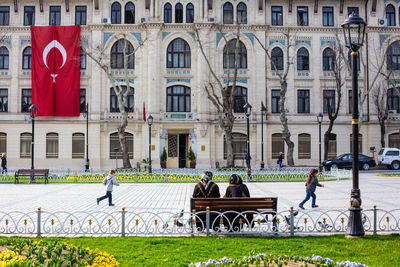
375 190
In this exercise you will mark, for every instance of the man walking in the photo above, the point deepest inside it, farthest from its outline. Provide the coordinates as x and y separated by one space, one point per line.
109 181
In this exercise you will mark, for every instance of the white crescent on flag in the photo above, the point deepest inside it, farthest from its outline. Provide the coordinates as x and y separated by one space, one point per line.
57 45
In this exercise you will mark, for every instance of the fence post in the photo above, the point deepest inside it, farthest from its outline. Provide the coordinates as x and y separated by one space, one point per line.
38 222
123 222
291 221
375 220
208 220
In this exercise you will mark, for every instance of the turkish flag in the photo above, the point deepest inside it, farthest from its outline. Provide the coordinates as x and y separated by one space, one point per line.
56 70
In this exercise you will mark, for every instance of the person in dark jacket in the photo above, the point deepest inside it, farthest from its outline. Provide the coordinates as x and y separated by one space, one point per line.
3 163
311 185
206 187
280 160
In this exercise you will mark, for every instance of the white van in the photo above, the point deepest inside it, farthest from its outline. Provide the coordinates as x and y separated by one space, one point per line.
390 157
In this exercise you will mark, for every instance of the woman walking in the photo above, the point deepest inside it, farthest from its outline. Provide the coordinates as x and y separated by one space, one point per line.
3 163
311 185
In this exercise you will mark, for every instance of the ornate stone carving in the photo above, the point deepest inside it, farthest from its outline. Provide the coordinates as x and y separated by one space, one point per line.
203 130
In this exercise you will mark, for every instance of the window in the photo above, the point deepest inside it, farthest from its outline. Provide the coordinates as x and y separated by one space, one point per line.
4 15
3 100
52 145
178 54
229 55
83 59
351 61
189 13
26 100
114 143
328 59
327 16
179 13
303 59
3 143
275 96
241 13
393 56
392 152
304 146
350 101
277 59
239 99
351 10
82 100
393 99
329 101
278 145
277 17
178 99
303 101
117 55
239 146
3 57
129 13
29 15
394 140
390 15
359 143
26 58
78 145
116 13
80 15
228 13
332 153
25 145
114 105
167 13
302 16
55 15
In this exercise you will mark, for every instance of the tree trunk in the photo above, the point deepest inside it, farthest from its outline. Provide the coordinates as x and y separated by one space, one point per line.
121 131
383 131
229 148
284 121
326 139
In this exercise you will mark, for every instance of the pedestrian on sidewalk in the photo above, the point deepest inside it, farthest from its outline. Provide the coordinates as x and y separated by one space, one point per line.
3 163
311 185
109 181
280 160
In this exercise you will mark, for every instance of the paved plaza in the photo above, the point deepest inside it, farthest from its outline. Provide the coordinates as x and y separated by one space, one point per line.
375 190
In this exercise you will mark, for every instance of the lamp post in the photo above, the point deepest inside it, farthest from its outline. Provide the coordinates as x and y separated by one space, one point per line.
263 110
247 109
86 115
150 122
33 113
354 31
320 116
116 148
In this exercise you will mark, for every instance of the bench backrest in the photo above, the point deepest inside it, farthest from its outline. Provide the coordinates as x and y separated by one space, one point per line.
32 172
253 203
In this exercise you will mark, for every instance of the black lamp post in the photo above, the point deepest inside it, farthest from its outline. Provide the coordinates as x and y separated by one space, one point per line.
33 113
86 115
116 148
263 110
320 116
354 31
150 122
247 110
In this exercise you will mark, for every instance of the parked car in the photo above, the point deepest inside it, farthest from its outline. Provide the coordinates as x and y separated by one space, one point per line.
345 161
390 157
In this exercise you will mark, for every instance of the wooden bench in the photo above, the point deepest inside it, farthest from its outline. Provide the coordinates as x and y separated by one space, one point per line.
33 174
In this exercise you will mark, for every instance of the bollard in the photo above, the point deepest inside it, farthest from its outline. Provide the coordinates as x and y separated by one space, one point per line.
123 222
291 221
38 234
374 219
208 221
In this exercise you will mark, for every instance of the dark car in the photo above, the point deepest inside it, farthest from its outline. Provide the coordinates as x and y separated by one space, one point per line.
345 161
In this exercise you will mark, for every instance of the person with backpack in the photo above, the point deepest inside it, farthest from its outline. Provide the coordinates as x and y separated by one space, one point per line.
109 181
311 185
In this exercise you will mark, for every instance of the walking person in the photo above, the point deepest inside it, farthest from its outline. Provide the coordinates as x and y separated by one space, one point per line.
3 163
109 181
280 160
311 185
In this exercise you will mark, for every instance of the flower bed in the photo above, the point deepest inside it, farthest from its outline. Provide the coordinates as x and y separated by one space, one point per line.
25 252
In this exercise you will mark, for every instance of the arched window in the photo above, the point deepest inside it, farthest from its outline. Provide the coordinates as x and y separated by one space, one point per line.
189 13
129 13
278 145
393 56
328 59
115 147
228 13
83 59
394 140
241 12
179 13
332 147
3 57
116 13
117 55
277 59
52 145
229 55
239 99
303 59
390 15
239 146
359 143
393 100
304 146
178 54
167 13
78 145
178 99
25 141
129 101
3 143
26 58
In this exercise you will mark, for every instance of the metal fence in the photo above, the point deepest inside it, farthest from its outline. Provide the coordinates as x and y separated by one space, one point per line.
130 223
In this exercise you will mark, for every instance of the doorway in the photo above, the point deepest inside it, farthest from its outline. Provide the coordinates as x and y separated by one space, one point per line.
177 150
182 150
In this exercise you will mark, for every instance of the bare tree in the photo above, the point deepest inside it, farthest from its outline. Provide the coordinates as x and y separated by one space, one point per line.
379 100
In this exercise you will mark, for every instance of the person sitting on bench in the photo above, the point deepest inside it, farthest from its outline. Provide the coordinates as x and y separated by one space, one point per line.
206 187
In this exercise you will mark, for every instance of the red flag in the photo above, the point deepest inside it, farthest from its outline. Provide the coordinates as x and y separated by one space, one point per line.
144 112
55 70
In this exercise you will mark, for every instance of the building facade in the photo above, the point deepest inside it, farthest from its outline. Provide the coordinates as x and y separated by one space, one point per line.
169 74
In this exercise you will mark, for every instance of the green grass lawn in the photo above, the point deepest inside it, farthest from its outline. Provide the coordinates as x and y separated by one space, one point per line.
379 251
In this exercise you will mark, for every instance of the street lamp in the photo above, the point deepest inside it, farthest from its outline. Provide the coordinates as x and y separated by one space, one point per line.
354 31
116 148
247 109
150 122
86 115
263 110
320 116
33 113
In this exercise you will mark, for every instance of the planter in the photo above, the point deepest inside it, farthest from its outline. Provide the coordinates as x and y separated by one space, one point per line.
192 164
163 165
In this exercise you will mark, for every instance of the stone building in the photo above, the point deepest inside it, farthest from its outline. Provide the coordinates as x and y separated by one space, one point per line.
169 74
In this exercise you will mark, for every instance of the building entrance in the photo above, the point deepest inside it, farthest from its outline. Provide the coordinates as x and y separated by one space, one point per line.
177 150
